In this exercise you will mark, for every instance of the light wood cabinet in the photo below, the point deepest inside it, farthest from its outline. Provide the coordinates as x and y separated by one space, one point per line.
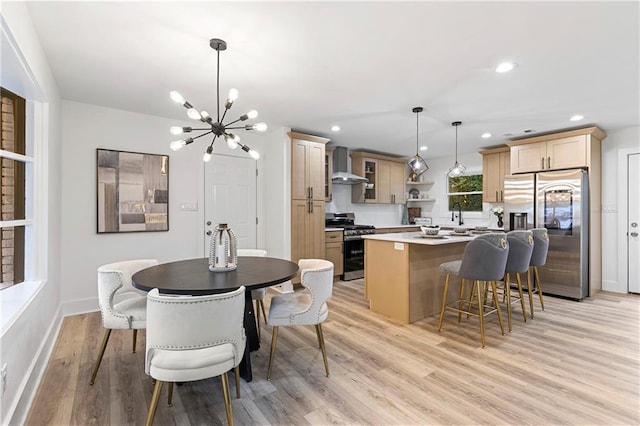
386 178
307 197
334 250
328 172
495 165
553 154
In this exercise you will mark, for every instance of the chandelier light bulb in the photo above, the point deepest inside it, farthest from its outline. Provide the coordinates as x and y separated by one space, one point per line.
233 95
204 116
232 141
193 114
177 97
206 157
254 154
177 145
260 127
252 114
176 130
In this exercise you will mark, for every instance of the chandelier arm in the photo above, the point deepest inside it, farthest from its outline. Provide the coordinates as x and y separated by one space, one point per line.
235 127
233 122
204 134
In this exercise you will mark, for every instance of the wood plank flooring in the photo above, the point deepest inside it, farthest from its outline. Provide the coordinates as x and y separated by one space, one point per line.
576 363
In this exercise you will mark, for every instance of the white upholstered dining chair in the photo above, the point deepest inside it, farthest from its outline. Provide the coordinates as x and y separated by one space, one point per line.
122 306
193 338
307 307
257 295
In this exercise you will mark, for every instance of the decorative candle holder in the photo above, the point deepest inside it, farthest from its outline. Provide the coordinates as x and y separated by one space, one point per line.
223 250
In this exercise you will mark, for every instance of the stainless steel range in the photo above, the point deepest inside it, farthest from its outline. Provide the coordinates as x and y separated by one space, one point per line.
353 246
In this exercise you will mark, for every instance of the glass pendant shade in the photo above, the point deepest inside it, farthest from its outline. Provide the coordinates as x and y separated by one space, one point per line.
417 164
457 169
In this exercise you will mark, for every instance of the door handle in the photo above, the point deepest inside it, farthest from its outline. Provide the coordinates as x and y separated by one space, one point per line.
542 163
634 234
497 198
548 162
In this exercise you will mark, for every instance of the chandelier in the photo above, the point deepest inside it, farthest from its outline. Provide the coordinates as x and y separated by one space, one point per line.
457 169
417 163
217 127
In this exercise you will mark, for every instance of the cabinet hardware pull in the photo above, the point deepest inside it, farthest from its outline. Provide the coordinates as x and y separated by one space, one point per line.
548 162
501 196
497 198
542 163
311 193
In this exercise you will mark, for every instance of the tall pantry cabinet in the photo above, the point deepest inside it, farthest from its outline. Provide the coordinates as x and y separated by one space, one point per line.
307 196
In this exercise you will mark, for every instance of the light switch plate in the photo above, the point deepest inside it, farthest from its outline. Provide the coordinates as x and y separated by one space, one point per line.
398 246
189 206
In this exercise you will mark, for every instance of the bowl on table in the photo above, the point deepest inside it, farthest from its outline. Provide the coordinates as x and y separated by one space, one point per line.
482 228
459 230
430 230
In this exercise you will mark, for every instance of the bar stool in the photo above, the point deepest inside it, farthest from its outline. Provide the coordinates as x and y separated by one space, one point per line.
520 249
484 259
538 258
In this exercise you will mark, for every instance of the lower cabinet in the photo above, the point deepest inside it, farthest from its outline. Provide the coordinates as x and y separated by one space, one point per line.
334 251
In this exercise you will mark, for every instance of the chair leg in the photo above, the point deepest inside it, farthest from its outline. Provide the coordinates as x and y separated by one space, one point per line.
255 310
135 336
274 339
322 347
524 312
227 398
444 301
476 285
536 277
170 395
461 299
103 346
236 373
154 403
497 304
530 291
507 292
264 313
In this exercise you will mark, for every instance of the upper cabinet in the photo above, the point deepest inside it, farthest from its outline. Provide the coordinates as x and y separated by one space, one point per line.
328 172
386 177
307 167
495 165
566 150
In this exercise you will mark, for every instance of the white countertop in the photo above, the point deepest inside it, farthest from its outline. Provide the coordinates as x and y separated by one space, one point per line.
417 238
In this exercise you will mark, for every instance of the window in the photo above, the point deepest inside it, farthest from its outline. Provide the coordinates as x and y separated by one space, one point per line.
465 193
16 167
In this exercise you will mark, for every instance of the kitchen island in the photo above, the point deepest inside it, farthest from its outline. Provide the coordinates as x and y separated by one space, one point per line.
402 273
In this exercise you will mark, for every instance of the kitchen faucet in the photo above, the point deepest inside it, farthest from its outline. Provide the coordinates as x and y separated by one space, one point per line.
460 221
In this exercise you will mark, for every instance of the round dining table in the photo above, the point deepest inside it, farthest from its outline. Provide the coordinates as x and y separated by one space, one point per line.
192 277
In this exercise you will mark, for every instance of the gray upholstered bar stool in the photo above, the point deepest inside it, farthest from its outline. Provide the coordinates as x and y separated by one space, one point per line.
484 260
538 258
520 249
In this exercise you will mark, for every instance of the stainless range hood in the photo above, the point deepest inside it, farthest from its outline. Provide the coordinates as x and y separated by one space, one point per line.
341 174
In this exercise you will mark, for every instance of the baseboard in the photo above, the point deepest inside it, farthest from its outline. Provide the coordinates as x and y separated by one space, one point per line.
613 287
80 306
32 380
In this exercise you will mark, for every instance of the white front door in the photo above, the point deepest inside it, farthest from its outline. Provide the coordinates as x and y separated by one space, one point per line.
633 223
230 197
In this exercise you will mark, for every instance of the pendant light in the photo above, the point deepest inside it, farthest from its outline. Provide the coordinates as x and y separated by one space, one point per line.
417 163
216 127
457 169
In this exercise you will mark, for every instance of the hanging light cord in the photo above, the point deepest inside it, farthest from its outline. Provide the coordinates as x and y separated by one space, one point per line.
456 144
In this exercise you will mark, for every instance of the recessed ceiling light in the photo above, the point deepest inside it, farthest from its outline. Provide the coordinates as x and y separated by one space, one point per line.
335 128
423 148
505 67
577 117
485 135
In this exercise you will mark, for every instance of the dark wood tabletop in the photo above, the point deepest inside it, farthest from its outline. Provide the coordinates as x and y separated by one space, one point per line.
194 278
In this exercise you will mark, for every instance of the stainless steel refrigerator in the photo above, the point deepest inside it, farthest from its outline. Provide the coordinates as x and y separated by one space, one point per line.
558 201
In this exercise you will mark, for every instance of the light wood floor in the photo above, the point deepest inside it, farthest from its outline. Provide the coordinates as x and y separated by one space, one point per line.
574 364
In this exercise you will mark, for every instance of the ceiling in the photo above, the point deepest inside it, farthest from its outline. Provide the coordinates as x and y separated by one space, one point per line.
360 65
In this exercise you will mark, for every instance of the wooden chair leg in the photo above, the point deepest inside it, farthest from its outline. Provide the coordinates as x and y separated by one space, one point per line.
103 346
444 301
170 395
461 299
264 313
154 403
536 277
274 339
507 292
476 285
524 312
236 373
227 398
497 305
323 347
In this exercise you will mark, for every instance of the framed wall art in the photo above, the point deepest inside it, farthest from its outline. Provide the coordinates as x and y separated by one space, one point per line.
132 191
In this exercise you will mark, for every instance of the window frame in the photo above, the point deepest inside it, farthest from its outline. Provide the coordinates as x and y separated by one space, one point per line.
466 214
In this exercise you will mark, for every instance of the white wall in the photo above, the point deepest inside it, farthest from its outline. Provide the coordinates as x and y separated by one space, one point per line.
614 206
88 127
27 339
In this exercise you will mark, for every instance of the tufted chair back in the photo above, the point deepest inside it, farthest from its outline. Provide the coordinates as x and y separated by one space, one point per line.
520 249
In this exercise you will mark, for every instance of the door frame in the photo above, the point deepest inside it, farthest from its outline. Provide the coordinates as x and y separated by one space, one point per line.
622 218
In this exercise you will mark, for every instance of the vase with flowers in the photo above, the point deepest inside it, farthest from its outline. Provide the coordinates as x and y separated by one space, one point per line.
498 212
